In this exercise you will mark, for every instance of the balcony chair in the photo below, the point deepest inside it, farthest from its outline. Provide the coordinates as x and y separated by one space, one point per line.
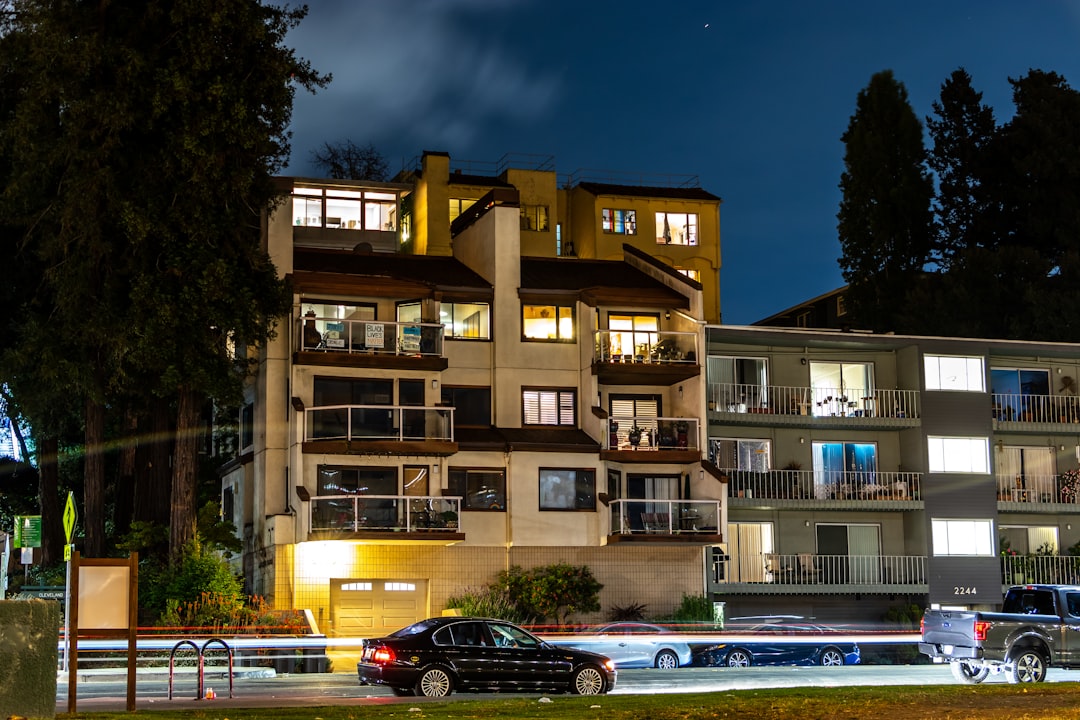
656 522
807 568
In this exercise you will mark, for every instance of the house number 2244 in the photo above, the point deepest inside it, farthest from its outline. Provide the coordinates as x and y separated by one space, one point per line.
957 590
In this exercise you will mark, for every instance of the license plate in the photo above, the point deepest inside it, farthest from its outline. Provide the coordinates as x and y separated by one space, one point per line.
366 655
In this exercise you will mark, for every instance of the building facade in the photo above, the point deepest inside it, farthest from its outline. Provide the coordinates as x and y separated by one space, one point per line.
422 422
870 470
585 215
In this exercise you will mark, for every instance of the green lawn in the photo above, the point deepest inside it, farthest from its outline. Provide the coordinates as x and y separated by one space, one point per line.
1050 701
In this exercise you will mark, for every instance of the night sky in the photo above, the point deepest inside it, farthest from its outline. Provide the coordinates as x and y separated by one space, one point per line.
752 97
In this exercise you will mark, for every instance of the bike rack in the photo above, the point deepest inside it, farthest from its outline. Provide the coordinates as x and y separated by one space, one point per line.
202 667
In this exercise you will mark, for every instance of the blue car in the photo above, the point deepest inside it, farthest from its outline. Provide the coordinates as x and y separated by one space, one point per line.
776 644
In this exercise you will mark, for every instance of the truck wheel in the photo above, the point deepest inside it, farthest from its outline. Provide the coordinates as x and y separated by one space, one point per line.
1026 666
968 673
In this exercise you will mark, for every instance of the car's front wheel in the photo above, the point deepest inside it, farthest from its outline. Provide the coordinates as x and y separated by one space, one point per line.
739 658
588 680
1026 666
831 657
434 681
666 660
969 674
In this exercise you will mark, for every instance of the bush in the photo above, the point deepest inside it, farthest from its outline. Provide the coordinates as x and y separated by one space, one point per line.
488 602
551 592
633 612
694 609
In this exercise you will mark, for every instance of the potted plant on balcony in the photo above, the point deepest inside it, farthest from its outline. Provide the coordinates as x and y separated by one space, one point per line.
682 428
449 518
1070 485
635 435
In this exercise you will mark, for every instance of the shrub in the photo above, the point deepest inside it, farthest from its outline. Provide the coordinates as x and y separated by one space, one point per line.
553 591
626 613
694 609
487 602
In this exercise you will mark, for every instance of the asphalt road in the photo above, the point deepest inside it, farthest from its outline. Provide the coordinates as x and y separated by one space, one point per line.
98 693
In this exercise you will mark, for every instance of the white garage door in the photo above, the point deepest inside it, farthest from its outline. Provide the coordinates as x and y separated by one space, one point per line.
369 608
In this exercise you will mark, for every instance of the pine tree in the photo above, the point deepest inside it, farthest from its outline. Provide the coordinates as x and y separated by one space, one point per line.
885 215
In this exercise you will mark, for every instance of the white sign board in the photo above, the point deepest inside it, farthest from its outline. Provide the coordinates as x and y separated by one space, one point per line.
103 597
373 335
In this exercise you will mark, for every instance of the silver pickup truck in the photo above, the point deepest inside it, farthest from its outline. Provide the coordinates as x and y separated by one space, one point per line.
1037 628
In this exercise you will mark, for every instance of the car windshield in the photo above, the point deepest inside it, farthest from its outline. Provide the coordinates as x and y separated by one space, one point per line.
414 629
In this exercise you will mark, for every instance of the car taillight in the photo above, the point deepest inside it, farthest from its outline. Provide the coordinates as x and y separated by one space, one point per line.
922 625
981 626
383 655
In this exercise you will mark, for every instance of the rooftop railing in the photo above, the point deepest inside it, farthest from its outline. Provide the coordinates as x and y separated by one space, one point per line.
379 422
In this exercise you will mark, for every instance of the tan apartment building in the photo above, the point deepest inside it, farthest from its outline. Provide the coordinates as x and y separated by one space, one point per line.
422 422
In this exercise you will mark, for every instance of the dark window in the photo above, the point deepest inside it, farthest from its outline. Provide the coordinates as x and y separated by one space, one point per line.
227 506
479 489
247 426
563 489
344 391
410 392
472 405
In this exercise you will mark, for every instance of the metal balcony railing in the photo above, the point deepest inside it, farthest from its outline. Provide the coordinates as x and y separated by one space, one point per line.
815 401
812 569
379 422
1051 569
410 339
823 485
628 346
387 513
651 433
1035 489
665 517
1036 408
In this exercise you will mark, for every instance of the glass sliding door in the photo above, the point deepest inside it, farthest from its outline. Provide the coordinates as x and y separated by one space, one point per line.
841 389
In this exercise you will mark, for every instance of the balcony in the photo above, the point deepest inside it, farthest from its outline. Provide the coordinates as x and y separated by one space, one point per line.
1036 493
651 520
651 439
385 429
364 343
409 519
1030 569
817 407
805 573
623 357
1035 413
835 490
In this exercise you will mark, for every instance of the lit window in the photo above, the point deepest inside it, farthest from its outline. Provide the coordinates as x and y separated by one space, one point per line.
562 489
459 205
340 209
841 308
466 320
676 228
690 273
740 454
947 372
356 587
620 222
959 454
548 407
963 537
399 587
547 322
534 217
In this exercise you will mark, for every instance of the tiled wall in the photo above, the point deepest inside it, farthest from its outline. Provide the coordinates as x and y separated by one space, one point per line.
655 576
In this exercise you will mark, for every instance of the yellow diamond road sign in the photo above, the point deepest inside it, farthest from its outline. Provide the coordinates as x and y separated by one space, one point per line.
69 516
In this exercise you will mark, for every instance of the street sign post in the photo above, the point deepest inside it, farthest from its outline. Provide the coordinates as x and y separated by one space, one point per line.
27 531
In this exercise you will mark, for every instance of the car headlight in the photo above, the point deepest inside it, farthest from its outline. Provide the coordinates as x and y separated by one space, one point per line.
610 665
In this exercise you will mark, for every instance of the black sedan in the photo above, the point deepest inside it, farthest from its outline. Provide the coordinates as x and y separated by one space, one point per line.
435 656
782 644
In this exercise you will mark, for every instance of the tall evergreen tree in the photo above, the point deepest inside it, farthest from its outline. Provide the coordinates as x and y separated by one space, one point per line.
141 150
885 214
961 130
